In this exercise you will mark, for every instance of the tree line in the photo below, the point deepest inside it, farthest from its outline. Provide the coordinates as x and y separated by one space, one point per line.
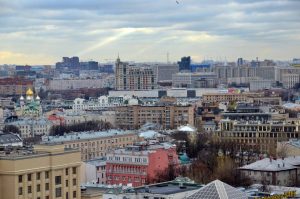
79 127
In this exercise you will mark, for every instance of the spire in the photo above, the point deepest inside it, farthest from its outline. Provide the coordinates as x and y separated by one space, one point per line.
118 59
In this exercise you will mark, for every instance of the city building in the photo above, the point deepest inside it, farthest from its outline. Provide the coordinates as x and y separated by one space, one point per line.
290 80
195 80
29 106
167 116
139 165
224 97
14 86
94 145
164 72
185 64
260 84
134 77
270 171
68 63
33 127
256 135
46 171
70 84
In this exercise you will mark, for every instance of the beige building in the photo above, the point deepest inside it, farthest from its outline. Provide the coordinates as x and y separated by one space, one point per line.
256 135
133 77
168 116
290 80
224 97
46 172
94 145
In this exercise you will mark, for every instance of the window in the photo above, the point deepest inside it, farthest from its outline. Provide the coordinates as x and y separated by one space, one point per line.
38 176
58 192
67 183
47 197
20 178
67 171
29 177
74 194
74 181
38 188
47 186
47 174
20 191
29 189
57 180
74 170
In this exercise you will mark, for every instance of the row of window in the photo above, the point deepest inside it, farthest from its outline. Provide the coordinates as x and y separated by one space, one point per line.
38 175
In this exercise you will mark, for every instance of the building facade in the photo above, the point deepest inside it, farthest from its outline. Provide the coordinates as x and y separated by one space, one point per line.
137 166
168 116
14 86
132 77
94 145
46 172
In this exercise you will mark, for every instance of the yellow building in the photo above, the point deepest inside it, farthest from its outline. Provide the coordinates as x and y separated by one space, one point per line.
94 145
44 172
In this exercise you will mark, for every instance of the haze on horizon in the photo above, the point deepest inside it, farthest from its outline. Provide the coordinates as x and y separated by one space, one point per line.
41 32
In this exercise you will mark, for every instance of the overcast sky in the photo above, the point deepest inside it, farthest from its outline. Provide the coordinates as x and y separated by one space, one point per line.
41 32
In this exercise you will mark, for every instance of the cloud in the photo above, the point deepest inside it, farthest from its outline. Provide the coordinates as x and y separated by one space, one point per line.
142 29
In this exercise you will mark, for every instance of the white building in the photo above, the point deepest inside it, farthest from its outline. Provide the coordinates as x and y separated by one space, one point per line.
33 127
260 84
283 171
289 80
102 102
95 171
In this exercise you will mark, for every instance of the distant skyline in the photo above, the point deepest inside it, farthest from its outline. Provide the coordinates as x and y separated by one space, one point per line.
41 32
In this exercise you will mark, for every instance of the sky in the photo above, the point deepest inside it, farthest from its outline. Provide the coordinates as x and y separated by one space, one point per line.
43 31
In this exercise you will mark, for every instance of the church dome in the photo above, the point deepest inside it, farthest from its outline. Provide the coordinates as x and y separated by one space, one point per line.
29 92
21 98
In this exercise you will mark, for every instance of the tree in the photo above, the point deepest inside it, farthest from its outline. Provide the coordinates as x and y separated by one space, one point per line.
11 129
83 126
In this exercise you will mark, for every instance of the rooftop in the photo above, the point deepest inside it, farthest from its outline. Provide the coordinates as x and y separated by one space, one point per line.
86 135
7 138
218 190
269 164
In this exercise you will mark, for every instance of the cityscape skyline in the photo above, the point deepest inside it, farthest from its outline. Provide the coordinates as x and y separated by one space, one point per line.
40 32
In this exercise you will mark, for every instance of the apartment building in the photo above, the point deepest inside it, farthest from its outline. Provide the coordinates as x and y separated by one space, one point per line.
14 86
168 116
257 135
44 172
138 165
133 77
224 97
94 145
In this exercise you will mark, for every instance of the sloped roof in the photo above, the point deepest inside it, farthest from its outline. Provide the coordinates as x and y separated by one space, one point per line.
268 164
218 190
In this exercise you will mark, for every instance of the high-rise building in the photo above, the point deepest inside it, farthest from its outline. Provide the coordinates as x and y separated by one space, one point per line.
185 63
69 63
44 172
133 77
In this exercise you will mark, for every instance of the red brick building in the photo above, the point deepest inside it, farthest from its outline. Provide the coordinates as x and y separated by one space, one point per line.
138 165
